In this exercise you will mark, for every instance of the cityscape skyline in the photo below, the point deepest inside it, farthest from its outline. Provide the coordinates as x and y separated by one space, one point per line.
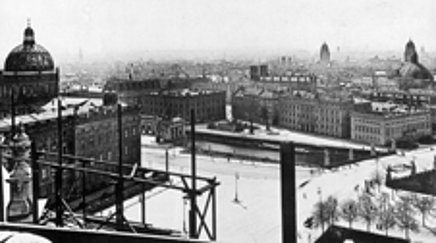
113 28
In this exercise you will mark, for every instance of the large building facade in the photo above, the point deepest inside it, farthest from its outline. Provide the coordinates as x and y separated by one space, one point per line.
308 112
208 105
29 78
131 91
256 104
382 126
89 133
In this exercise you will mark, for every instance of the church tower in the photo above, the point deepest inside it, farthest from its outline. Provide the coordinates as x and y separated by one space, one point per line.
325 54
410 54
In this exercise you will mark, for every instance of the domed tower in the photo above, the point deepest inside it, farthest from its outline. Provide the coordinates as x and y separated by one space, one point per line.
325 54
410 54
29 77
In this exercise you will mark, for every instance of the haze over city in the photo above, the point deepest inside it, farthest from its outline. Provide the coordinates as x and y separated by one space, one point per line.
227 121
119 29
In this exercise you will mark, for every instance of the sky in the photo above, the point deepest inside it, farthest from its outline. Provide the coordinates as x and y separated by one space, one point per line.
116 27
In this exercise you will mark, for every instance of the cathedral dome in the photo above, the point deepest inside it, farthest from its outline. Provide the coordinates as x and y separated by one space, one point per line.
29 56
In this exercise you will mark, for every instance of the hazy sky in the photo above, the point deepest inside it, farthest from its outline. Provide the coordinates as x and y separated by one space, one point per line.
101 27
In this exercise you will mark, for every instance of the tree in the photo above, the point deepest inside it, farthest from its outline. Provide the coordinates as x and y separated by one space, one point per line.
423 205
265 116
320 215
332 209
403 216
367 210
377 177
348 211
386 215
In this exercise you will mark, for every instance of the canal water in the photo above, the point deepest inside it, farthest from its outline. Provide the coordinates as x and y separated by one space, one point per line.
304 156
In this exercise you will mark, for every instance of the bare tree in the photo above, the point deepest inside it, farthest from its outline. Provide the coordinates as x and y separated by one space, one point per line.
367 210
349 211
332 209
386 215
404 216
320 215
423 205
378 178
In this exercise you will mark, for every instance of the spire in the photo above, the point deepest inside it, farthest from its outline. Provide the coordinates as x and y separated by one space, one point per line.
29 35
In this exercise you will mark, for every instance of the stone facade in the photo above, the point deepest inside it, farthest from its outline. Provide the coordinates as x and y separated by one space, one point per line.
311 113
131 91
255 105
208 105
96 136
381 127
93 134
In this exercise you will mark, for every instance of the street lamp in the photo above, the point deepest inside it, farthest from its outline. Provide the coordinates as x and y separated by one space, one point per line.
236 200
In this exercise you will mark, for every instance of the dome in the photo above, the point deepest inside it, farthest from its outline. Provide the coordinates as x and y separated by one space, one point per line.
29 56
415 71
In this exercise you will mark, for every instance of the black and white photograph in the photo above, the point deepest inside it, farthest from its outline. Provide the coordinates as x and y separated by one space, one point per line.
229 121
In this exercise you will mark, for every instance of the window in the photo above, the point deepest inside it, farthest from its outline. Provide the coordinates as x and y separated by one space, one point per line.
126 150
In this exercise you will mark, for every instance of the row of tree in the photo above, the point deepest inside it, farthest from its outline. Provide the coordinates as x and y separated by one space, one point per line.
378 210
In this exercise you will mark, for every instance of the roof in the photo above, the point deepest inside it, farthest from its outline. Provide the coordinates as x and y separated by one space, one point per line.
29 56
338 234
50 111
424 182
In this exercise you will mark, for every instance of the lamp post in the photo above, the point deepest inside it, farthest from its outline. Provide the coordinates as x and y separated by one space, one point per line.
236 199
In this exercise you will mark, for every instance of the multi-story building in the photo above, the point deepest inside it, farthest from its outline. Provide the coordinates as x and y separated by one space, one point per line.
131 91
379 126
96 135
208 105
255 104
313 113
258 71
291 81
87 132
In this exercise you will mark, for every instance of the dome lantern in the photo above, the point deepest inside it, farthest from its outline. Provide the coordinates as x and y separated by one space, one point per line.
29 35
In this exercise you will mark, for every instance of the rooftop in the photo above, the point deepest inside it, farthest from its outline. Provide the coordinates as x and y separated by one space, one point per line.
184 92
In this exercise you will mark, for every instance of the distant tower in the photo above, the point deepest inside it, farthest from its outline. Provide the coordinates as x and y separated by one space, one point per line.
410 54
325 54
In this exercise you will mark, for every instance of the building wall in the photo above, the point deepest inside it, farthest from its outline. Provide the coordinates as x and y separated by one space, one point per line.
31 89
380 129
91 135
97 137
131 91
208 106
315 115
45 136
246 108
251 108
